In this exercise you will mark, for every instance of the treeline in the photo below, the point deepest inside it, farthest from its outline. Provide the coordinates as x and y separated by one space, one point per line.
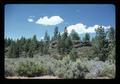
103 44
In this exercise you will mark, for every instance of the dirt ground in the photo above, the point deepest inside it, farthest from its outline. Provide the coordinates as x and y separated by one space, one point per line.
42 77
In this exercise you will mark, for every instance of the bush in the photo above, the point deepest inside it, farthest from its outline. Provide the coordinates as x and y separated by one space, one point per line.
86 52
30 68
65 68
100 69
73 54
111 55
108 70
10 67
9 70
70 69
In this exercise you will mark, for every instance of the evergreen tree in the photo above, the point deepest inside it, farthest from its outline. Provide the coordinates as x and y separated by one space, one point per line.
65 34
59 47
111 34
8 42
12 51
41 46
46 43
87 37
27 45
47 37
73 54
101 47
30 53
62 46
17 50
111 38
68 44
74 35
34 43
56 33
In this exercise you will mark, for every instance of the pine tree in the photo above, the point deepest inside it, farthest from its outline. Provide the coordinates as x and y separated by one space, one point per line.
74 35
30 53
111 37
8 42
87 37
41 46
47 37
73 54
111 34
65 34
46 43
62 47
17 50
56 33
34 43
12 50
68 44
100 45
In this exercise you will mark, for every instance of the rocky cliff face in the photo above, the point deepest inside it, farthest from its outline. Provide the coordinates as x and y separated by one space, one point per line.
53 44
76 44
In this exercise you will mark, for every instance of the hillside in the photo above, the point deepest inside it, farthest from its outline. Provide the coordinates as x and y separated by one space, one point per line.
64 56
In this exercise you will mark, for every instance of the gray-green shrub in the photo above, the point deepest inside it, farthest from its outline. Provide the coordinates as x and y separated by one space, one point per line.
30 68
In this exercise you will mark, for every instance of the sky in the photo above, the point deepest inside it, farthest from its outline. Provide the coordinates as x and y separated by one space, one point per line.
35 19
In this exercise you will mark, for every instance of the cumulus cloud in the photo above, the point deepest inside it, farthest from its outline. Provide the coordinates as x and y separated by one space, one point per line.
81 28
54 20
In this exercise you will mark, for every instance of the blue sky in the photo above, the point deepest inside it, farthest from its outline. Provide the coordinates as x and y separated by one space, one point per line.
29 19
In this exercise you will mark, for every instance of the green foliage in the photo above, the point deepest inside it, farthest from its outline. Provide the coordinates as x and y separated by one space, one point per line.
86 52
64 60
34 43
68 44
74 35
70 69
47 37
112 55
73 54
65 34
111 46
46 43
65 68
87 37
100 45
64 43
108 71
111 34
10 67
30 68
13 50
56 33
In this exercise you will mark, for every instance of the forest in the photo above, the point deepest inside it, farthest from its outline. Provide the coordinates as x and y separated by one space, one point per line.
65 56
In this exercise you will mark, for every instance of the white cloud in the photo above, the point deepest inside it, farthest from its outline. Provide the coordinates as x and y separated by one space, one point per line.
42 38
91 29
32 16
106 27
81 28
54 20
30 20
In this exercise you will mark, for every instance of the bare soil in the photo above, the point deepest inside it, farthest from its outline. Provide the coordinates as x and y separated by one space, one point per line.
41 77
